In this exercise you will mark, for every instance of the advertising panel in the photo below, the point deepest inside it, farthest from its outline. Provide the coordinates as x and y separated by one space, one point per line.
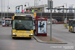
3 22
41 26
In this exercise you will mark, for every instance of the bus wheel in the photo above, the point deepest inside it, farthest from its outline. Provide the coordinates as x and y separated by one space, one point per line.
69 30
35 33
30 38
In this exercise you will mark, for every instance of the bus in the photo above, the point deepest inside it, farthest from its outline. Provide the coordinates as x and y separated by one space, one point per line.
22 26
71 25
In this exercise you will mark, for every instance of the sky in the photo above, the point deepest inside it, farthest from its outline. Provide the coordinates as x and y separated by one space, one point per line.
13 3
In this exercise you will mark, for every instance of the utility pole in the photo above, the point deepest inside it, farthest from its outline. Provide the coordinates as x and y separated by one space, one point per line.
35 3
41 10
63 12
50 6
1 11
74 14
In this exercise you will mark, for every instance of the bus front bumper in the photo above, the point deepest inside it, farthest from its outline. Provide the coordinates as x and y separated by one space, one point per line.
22 36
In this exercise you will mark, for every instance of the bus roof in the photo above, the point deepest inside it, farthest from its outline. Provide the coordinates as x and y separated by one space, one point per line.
17 14
24 14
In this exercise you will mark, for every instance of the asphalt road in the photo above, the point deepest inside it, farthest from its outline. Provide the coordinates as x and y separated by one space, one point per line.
59 31
7 43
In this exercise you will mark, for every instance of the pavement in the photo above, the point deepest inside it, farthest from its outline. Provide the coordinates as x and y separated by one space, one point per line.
46 39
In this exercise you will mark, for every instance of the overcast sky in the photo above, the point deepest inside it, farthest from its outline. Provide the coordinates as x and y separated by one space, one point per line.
14 3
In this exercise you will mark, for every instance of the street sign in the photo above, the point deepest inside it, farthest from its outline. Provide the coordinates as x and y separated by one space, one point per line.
50 4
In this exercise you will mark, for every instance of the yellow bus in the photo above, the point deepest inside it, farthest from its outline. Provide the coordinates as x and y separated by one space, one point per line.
71 25
22 26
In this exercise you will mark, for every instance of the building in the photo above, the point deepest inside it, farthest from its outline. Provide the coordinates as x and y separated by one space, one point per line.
57 16
6 15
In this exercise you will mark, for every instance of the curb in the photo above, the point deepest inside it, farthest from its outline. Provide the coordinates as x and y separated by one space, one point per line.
40 41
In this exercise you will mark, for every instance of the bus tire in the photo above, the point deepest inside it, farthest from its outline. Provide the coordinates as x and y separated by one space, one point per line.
30 38
69 30
35 33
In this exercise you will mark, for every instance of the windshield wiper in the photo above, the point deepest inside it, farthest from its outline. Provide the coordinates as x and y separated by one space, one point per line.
23 29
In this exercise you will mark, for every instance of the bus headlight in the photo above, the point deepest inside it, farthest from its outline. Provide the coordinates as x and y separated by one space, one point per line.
31 34
14 33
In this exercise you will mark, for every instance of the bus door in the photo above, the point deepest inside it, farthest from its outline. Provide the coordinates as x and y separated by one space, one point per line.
74 26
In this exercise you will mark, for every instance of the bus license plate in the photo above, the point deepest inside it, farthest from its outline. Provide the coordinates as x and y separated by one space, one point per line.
22 36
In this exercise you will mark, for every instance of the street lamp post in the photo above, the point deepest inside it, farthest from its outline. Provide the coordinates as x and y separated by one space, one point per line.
8 9
63 10
26 2
74 14
4 8
55 10
66 10
66 13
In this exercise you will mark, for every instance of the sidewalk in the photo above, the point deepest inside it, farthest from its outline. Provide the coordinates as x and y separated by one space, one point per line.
46 39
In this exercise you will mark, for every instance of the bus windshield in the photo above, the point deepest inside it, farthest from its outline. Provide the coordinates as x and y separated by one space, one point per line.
22 25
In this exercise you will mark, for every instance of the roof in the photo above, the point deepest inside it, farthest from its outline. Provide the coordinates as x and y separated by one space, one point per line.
71 19
25 14
39 6
7 19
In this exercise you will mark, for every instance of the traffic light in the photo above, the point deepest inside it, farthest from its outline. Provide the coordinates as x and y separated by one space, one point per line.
27 10
17 10
22 11
33 11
